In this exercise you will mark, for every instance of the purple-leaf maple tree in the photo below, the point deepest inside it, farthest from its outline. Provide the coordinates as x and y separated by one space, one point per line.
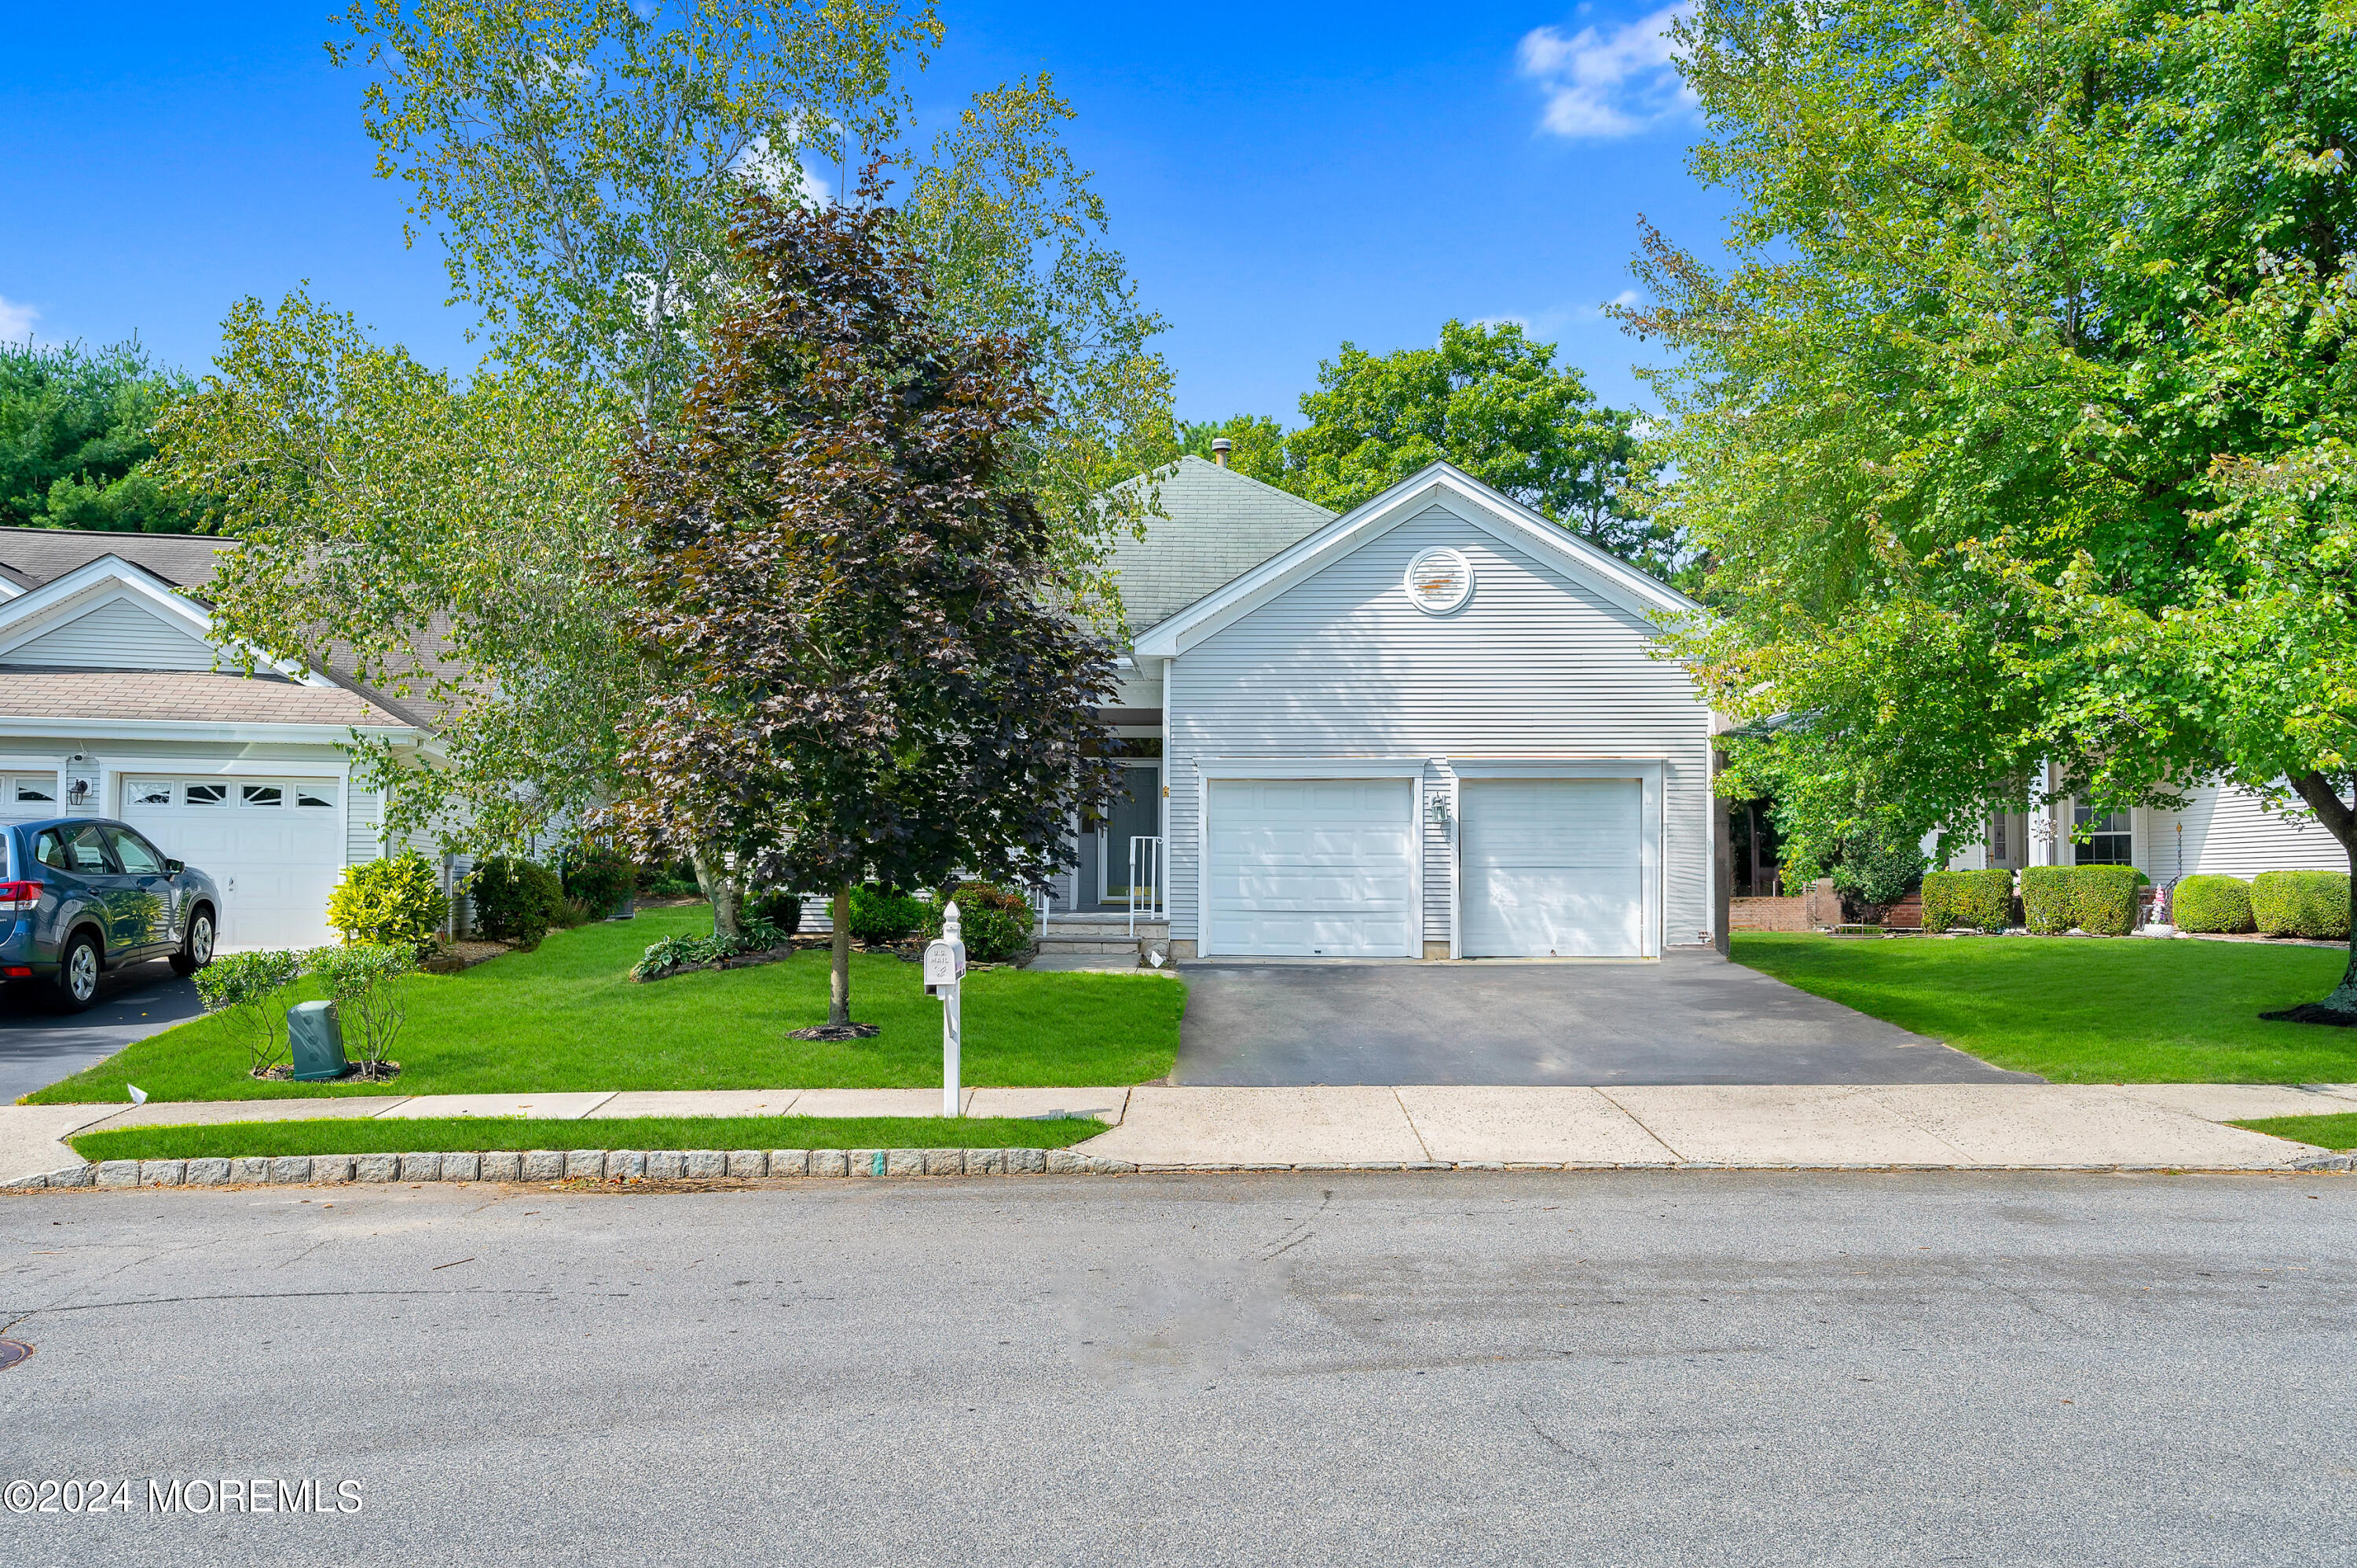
868 666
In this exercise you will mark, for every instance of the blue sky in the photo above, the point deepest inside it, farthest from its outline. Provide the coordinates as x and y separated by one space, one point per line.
1281 177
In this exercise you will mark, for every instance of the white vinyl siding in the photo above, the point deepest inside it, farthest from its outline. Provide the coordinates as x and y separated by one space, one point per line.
2228 833
1553 868
120 634
1536 663
1312 868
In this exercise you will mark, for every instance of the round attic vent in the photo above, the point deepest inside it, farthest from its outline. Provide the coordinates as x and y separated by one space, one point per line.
1438 580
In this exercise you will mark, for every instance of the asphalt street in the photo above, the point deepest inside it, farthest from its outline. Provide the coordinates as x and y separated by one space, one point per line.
41 1042
1509 1367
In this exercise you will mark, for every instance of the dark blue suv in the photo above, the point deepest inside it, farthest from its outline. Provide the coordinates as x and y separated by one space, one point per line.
80 895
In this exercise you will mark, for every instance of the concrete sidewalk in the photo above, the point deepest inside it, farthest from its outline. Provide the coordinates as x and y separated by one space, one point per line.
1942 1126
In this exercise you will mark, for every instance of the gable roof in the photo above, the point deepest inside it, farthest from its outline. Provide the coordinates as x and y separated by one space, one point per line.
1220 524
31 557
1443 485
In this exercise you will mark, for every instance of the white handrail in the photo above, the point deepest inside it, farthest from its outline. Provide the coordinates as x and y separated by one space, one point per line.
1146 879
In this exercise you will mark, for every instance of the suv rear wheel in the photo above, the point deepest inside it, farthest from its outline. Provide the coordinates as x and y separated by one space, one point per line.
197 950
78 968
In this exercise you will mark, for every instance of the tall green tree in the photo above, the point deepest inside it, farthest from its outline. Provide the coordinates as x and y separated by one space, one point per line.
1496 404
578 158
2016 428
450 544
853 601
77 430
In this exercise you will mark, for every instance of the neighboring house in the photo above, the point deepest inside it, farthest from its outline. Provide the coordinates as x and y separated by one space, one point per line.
1432 727
118 700
2221 831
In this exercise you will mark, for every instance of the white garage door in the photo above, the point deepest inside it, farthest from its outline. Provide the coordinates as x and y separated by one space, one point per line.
1553 867
274 846
29 797
1312 868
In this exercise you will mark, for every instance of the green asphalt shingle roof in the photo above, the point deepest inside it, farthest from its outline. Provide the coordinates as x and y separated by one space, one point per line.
1220 525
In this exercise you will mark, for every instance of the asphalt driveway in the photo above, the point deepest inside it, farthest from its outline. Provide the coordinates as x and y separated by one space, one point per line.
41 1044
1694 1017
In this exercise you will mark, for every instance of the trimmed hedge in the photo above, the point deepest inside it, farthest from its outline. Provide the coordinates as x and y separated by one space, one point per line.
2301 903
515 900
2211 904
994 921
2098 900
1973 899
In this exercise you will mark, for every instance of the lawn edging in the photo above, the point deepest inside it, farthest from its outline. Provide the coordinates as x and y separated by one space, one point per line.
612 1167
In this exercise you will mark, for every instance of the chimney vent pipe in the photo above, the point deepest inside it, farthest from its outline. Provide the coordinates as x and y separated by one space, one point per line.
1220 445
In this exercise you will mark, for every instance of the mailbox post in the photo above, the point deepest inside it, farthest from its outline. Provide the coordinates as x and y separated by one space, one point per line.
945 969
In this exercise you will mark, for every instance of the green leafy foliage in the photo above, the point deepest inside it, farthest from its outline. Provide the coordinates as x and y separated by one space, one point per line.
2211 904
1256 446
777 906
995 922
1496 404
515 900
393 901
2301 903
365 982
1973 900
2017 429
2098 900
672 954
250 987
599 876
76 434
880 917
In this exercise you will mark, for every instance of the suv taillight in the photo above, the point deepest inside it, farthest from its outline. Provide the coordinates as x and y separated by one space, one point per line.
19 898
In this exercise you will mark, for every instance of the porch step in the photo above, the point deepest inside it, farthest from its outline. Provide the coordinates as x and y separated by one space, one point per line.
1085 945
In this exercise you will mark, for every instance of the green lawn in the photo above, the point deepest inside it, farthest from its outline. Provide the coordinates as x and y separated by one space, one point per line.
563 1016
434 1134
2337 1132
2083 1011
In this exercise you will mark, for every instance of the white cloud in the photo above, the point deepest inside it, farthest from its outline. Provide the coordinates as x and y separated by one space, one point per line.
1611 82
17 321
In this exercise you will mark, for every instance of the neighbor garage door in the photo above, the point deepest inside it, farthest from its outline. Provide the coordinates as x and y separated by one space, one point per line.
274 846
1552 867
1312 868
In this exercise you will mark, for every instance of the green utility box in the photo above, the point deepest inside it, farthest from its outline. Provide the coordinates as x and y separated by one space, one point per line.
318 1041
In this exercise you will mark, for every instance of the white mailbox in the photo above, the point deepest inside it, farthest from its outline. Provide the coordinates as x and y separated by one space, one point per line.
944 965
945 969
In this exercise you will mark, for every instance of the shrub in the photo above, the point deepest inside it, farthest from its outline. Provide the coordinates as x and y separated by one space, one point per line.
2103 898
2301 903
600 878
880 917
675 954
393 902
251 987
515 900
994 921
2211 904
2045 899
779 908
364 982
1978 899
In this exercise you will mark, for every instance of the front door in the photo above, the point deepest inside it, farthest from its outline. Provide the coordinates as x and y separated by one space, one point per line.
1136 813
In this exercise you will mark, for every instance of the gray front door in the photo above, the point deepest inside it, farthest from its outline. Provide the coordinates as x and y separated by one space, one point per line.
1137 812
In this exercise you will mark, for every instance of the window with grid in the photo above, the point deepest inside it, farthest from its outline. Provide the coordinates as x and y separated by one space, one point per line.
2104 837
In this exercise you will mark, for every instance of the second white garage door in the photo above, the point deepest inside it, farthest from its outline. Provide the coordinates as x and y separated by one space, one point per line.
1312 868
1553 867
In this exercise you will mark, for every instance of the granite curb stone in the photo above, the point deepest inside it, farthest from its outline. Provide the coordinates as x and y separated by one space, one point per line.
163 1172
291 1170
212 1171
502 1165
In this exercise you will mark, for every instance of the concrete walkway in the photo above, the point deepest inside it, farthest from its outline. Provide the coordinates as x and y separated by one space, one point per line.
1940 1126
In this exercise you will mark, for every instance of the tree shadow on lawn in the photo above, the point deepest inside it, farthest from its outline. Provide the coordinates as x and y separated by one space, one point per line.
566 1016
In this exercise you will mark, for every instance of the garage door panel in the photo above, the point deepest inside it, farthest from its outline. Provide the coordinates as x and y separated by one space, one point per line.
276 866
1311 868
1553 867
